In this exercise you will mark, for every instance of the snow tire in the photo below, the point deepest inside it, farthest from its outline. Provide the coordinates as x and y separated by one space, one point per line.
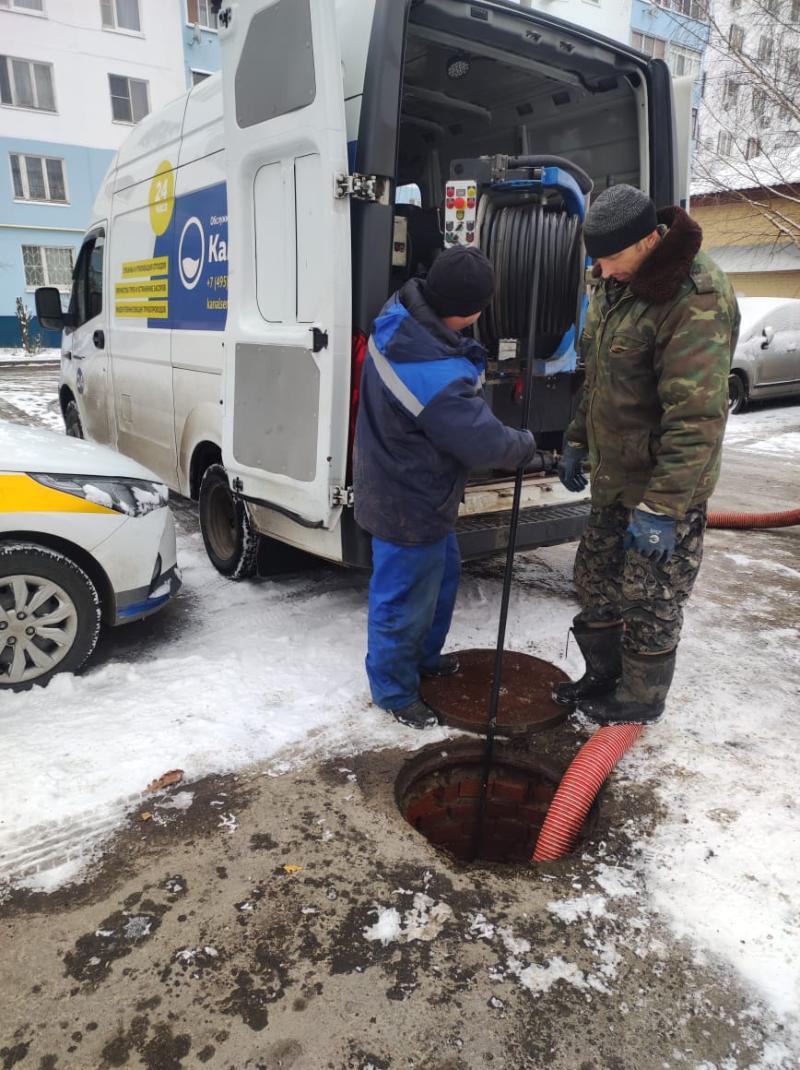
74 605
228 534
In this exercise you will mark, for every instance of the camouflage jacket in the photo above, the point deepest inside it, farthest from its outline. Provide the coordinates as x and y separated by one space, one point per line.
657 353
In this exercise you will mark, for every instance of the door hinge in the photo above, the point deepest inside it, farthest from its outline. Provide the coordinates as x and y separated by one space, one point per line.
319 339
341 496
372 188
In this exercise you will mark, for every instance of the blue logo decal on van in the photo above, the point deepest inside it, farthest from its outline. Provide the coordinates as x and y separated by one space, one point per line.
196 243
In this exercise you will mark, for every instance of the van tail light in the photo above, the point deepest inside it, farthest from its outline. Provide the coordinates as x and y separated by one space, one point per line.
358 353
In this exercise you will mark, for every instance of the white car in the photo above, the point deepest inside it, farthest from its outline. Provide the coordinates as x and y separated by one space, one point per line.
86 537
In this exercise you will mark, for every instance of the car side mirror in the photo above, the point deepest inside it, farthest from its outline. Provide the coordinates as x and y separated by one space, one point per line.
767 334
48 309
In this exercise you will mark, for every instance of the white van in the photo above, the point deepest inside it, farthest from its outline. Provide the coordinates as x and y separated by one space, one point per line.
246 236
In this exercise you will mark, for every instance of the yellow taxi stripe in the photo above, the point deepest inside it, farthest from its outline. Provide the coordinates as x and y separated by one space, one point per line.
21 494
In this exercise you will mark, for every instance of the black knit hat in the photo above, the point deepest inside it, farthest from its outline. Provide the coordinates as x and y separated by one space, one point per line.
460 282
619 217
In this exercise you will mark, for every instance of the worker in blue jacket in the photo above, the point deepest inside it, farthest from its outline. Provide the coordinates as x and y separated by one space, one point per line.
423 423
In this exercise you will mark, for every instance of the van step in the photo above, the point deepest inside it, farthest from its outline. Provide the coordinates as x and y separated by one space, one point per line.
538 526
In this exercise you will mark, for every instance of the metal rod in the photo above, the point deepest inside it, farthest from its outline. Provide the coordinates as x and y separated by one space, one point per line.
494 697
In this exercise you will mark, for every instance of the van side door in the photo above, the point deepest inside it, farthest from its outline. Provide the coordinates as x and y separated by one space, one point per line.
85 351
287 334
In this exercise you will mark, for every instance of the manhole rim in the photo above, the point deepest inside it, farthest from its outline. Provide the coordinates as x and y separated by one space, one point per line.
436 756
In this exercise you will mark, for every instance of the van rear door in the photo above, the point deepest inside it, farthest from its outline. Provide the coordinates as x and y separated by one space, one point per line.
287 335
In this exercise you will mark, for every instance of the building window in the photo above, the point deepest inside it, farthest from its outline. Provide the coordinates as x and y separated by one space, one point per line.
129 99
724 143
120 15
735 5
684 62
695 131
695 9
38 178
24 5
651 46
736 37
759 103
795 15
731 93
792 60
199 11
772 7
765 45
25 84
200 76
48 265
753 148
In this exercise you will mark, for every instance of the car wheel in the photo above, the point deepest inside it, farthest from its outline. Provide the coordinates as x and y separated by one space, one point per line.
49 615
72 420
737 394
230 540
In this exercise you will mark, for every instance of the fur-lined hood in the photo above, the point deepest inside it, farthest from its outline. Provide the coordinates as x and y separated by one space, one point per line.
670 263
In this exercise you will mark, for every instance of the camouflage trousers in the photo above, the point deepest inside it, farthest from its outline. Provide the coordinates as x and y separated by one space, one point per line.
614 585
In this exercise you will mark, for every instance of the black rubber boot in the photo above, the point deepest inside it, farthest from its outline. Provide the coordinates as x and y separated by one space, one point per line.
447 665
417 715
640 698
602 651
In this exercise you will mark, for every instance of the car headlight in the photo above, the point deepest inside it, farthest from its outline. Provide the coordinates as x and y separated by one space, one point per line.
133 497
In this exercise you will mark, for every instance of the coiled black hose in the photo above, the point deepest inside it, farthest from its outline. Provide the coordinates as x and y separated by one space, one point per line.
512 232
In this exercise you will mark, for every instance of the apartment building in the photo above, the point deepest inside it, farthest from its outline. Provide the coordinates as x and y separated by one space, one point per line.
75 76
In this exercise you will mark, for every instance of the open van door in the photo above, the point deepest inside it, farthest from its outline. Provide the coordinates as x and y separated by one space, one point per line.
682 92
287 334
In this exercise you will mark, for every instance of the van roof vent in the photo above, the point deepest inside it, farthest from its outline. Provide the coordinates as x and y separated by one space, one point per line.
479 13
562 97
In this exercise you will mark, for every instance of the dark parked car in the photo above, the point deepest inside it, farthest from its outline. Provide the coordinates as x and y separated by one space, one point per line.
766 363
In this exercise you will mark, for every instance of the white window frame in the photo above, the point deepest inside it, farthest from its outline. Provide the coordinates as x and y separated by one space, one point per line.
203 26
12 83
649 37
691 54
753 143
12 5
128 78
116 28
728 139
23 171
63 287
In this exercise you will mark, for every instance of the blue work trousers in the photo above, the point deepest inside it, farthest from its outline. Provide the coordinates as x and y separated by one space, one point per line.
411 597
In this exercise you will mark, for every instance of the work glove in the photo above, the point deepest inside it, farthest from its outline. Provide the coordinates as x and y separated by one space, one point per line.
569 467
652 535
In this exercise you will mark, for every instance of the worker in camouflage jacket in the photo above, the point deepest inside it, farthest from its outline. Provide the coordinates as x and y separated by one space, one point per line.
657 344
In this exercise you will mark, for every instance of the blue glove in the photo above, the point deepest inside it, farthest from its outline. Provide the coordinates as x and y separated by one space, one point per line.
651 534
569 467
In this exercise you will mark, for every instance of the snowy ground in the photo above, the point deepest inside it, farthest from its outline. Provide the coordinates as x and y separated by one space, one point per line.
16 356
270 672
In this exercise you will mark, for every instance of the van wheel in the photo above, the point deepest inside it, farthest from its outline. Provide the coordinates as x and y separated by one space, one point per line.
49 615
72 420
230 541
737 394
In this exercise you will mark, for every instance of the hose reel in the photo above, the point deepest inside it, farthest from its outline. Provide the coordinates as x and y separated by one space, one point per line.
519 209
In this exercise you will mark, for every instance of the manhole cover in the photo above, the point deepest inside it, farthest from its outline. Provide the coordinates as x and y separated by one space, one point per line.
526 703
438 793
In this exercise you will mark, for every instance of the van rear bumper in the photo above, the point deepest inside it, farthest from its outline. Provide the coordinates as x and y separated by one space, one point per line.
486 533
479 536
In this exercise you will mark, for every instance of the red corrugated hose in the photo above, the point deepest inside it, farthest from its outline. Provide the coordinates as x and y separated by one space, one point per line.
579 787
754 520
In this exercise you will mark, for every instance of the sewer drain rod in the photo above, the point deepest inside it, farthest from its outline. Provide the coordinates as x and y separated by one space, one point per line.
589 770
536 223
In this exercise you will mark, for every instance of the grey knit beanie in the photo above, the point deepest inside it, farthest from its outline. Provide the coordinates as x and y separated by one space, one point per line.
619 217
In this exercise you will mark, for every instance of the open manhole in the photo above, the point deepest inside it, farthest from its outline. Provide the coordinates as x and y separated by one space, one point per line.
438 792
525 705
